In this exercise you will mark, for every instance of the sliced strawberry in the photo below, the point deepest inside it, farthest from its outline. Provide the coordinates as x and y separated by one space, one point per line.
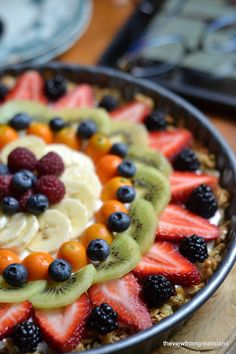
134 112
183 183
170 142
29 86
81 96
164 259
176 222
63 328
123 295
11 315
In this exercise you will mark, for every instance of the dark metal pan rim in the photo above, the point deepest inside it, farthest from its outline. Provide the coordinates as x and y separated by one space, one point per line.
229 259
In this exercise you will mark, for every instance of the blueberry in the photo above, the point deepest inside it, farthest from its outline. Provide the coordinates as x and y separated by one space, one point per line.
59 270
4 169
86 129
3 91
31 175
127 169
156 121
126 194
10 205
119 149
98 250
21 182
20 121
55 88
56 124
36 204
15 274
118 222
109 103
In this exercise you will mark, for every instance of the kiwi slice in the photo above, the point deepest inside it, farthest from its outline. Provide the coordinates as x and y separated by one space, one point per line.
153 186
146 156
124 256
128 132
62 294
143 225
34 109
12 295
98 115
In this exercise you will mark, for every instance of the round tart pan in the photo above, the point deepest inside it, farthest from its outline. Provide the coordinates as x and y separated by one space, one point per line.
143 342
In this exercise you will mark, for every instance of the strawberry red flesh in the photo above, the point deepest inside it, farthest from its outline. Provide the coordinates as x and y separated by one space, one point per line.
170 142
123 296
29 87
176 222
164 259
63 328
11 315
183 183
134 112
80 97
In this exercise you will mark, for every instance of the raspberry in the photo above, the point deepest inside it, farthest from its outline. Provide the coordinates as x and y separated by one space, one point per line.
51 187
24 199
50 164
21 159
5 182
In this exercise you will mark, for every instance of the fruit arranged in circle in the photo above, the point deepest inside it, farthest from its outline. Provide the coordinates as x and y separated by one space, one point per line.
107 167
109 207
42 131
67 136
98 250
98 146
94 232
7 257
7 135
74 253
37 264
109 191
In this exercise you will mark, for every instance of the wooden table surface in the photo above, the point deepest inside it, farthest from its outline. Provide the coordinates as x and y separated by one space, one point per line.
216 320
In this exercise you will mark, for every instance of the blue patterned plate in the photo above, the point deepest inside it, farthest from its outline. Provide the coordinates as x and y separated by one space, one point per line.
40 28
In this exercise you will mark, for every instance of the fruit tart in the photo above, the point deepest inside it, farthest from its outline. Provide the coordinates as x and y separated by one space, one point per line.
112 217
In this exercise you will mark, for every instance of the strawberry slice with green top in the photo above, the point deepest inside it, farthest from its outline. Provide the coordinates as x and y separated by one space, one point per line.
165 259
123 296
170 142
135 112
63 327
176 222
79 97
11 315
183 183
29 86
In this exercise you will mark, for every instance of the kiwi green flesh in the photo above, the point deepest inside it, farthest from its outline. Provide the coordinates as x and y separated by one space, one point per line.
145 156
124 256
98 115
143 224
128 133
56 295
10 294
34 109
153 186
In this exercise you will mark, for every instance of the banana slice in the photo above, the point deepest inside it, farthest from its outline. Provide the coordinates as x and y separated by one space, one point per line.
71 157
76 213
27 234
3 221
54 230
13 228
76 173
34 144
81 191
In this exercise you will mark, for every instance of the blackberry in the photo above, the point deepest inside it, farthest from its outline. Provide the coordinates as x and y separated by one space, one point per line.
26 337
109 103
156 290
103 319
55 88
194 248
186 160
156 121
202 201
3 91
